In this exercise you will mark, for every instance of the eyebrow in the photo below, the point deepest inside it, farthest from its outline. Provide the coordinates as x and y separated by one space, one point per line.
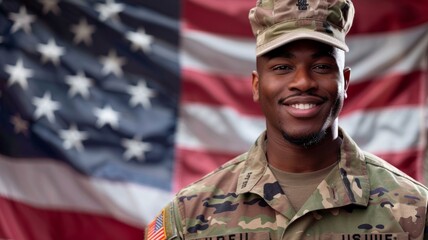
275 54
325 53
286 54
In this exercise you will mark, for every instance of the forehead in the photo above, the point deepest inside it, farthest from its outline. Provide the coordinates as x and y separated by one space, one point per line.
315 48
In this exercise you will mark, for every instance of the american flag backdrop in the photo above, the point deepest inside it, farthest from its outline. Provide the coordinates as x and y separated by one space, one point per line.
108 107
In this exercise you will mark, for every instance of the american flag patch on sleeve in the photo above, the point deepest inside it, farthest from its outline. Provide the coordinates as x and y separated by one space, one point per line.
156 229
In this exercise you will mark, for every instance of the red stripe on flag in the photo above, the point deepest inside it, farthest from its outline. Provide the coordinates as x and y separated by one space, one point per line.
231 17
385 16
219 90
219 16
192 164
383 91
386 91
409 161
22 221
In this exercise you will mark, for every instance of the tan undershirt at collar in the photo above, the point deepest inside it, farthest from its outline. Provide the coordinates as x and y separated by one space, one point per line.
299 186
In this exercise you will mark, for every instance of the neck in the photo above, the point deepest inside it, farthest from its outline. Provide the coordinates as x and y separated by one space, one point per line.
292 158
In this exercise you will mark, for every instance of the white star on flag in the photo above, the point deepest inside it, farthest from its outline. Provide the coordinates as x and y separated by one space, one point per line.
72 138
79 84
21 20
50 6
112 64
50 52
83 32
140 40
105 116
109 10
135 148
18 74
19 124
141 94
45 106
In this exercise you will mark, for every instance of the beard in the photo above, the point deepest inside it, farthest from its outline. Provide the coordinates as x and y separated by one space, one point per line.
306 141
312 139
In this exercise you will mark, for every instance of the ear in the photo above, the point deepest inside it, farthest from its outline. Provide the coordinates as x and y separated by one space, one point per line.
255 86
347 78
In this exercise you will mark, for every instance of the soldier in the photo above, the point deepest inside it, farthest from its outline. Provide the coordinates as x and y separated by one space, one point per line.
304 177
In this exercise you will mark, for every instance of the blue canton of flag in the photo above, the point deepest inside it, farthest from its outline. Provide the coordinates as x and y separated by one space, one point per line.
89 94
159 222
97 90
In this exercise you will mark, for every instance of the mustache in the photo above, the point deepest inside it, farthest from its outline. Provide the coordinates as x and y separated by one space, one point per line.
301 94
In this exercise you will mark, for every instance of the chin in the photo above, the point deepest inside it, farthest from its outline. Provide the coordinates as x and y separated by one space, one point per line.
305 140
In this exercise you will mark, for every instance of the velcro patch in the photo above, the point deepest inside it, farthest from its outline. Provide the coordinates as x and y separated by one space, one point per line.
156 229
237 236
367 236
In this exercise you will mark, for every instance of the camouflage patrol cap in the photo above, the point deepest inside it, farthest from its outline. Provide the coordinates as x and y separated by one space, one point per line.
277 22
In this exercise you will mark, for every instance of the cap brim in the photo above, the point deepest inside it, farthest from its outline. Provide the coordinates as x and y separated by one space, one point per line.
301 34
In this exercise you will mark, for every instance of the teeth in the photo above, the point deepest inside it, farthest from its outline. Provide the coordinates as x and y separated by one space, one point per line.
303 106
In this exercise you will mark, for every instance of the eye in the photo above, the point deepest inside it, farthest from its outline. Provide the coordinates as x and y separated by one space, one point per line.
282 68
323 68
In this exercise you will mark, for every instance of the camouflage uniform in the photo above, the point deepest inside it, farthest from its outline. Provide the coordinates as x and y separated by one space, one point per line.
363 198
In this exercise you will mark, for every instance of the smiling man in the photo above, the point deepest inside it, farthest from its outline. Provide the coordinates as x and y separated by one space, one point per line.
301 89
304 177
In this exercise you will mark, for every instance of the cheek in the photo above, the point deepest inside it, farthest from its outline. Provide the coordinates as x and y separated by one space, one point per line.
273 87
334 87
266 101
268 95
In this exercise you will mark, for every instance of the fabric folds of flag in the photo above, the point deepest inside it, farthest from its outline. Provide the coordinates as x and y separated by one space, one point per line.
88 107
384 110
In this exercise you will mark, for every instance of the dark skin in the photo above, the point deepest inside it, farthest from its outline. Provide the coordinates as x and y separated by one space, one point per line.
301 88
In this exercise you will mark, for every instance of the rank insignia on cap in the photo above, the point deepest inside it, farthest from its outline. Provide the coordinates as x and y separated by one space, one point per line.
302 4
156 229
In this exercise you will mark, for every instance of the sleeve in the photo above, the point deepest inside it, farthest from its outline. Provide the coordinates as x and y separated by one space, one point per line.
164 225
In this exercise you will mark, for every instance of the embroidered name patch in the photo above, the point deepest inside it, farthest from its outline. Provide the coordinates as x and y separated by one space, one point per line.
368 236
238 236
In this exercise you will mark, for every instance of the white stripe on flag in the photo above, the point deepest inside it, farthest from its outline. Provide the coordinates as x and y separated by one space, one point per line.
213 53
221 129
388 53
371 55
59 187
389 130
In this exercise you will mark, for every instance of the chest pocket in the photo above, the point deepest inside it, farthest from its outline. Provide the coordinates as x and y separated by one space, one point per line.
365 236
238 236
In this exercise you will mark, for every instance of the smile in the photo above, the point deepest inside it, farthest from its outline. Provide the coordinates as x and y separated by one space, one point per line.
303 106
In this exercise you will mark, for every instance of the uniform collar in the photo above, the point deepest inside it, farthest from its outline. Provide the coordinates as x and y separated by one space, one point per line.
350 184
353 173
255 165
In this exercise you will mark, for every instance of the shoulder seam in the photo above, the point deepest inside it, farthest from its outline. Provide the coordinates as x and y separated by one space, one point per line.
238 159
397 172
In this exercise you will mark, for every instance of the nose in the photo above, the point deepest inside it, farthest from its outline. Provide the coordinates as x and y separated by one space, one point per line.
303 81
